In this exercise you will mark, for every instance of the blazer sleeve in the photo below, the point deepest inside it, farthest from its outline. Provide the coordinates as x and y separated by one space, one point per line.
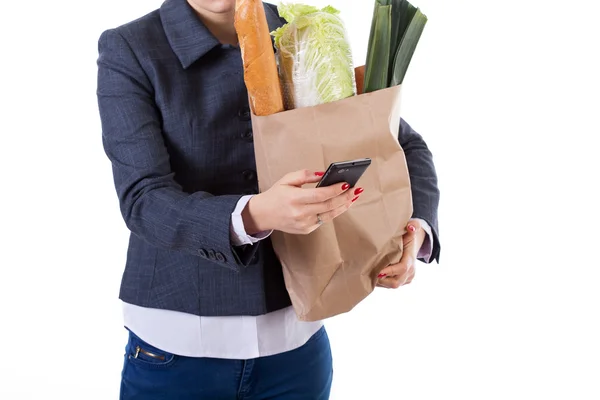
423 180
154 206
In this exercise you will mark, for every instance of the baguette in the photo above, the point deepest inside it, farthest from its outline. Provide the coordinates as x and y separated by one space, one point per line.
359 73
260 68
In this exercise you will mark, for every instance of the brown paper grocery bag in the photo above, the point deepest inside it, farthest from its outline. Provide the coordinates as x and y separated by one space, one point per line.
331 270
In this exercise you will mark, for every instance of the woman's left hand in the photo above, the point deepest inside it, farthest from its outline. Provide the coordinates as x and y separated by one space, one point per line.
396 275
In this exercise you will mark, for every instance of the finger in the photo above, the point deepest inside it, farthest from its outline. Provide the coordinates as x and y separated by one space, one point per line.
348 197
408 259
336 212
382 282
397 269
391 282
394 282
301 177
321 194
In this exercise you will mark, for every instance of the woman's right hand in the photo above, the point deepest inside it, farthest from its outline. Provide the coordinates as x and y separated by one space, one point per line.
289 208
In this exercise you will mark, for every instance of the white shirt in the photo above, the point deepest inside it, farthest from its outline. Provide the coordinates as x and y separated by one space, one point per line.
237 337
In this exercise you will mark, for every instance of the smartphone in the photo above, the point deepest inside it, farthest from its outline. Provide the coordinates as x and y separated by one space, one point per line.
345 171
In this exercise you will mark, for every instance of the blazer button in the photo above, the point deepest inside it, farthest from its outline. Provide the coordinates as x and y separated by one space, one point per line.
202 253
244 114
221 257
247 135
249 175
211 255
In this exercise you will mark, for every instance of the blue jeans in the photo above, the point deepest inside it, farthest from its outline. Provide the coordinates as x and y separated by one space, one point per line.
304 373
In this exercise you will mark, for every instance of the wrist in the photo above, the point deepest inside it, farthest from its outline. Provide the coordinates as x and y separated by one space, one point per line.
253 218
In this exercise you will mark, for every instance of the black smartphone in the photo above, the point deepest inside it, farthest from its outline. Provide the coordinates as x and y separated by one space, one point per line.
345 171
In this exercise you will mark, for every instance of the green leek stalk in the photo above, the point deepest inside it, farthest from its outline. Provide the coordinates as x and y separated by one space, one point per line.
399 23
378 56
395 31
407 47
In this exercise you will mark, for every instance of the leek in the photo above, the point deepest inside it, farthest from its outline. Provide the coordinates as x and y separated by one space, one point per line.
395 31
378 56
407 47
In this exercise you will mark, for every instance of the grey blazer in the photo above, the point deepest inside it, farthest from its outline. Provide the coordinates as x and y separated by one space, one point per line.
176 127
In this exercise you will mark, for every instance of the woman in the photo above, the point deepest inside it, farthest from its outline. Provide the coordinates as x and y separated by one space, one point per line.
204 299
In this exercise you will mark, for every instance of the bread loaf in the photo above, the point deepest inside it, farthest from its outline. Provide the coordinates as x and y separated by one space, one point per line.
359 73
260 68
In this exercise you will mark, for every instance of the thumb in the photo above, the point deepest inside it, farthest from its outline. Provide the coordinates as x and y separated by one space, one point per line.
413 225
410 235
301 177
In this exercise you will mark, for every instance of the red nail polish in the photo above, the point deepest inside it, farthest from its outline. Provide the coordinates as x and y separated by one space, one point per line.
411 228
354 199
358 191
319 173
381 275
345 186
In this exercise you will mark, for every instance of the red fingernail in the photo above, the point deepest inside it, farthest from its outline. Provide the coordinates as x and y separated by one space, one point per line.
345 186
381 275
411 228
354 199
319 173
358 191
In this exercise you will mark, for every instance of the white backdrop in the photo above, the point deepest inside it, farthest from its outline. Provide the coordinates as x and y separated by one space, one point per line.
505 94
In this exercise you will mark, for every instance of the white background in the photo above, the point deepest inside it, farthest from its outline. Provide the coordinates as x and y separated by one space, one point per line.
505 93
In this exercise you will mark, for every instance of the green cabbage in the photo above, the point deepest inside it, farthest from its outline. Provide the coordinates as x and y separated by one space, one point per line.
315 58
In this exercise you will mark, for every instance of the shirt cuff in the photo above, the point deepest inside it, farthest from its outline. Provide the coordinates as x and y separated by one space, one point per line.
239 237
427 246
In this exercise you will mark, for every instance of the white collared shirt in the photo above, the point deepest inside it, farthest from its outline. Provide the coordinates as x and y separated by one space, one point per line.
232 337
